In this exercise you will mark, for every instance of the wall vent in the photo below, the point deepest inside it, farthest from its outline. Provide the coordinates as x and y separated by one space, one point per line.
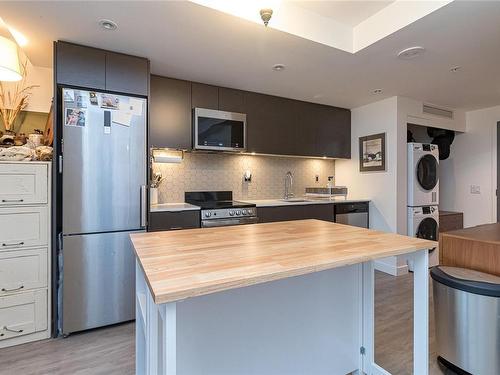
436 111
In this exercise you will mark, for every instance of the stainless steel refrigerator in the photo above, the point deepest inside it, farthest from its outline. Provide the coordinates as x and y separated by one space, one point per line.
103 201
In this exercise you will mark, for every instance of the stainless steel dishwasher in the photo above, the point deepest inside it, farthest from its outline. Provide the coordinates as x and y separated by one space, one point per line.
355 214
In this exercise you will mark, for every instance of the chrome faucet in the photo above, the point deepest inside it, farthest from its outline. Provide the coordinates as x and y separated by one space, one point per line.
288 185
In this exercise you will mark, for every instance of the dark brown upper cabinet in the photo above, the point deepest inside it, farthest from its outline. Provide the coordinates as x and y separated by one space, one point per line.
204 96
170 113
324 130
231 100
97 69
80 66
271 124
127 74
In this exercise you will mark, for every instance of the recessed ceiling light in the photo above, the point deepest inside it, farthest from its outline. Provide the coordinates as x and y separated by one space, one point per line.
377 91
279 67
108 24
455 69
411 53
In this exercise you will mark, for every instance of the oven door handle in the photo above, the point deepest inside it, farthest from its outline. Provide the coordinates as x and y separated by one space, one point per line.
227 222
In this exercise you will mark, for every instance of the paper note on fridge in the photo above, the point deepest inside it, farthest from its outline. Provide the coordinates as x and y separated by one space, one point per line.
135 106
122 118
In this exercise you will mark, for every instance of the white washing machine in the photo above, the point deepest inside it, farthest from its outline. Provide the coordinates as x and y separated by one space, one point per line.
423 174
423 222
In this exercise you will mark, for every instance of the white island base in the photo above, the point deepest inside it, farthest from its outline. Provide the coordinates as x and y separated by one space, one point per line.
319 323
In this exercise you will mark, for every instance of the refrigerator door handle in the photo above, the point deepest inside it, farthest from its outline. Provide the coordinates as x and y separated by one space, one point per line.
143 206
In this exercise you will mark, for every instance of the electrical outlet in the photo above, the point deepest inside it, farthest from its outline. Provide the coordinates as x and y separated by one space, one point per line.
475 189
317 177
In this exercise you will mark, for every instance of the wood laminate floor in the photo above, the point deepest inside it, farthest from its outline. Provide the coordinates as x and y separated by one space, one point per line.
111 351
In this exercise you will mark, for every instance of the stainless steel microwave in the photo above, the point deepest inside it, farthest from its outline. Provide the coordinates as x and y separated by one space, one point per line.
219 130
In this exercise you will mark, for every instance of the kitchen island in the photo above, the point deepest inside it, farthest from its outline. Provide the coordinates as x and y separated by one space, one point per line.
275 298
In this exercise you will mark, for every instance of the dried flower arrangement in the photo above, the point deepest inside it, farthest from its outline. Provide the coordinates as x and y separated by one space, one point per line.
14 99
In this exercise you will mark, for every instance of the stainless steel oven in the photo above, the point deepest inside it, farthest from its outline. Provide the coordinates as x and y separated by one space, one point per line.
218 209
219 130
229 221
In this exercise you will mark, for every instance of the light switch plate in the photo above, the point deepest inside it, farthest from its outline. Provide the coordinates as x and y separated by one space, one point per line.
475 189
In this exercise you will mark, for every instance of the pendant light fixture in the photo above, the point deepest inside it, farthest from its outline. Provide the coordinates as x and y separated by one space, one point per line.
10 69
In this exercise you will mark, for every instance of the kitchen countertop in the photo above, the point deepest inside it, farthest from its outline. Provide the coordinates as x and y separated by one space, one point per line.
279 202
173 207
194 262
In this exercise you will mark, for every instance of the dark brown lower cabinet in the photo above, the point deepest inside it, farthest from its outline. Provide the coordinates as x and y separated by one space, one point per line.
295 212
159 221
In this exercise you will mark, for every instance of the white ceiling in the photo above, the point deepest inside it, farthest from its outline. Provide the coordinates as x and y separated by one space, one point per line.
189 41
350 13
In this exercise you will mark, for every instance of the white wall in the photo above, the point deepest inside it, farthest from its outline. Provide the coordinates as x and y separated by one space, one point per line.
41 96
386 190
472 161
41 99
380 187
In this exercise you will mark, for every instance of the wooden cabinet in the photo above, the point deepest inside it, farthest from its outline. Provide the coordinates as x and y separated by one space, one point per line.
170 113
174 220
23 270
231 100
23 184
25 249
204 96
450 221
97 69
295 212
127 74
271 124
323 130
275 125
22 227
22 314
289 127
80 66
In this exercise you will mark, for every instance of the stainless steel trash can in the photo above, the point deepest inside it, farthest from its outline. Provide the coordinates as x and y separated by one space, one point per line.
467 316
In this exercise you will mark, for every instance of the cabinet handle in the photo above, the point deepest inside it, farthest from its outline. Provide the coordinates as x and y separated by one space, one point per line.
13 244
175 228
12 200
13 289
5 328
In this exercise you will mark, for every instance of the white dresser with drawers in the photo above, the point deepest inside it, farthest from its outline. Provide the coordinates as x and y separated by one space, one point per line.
25 252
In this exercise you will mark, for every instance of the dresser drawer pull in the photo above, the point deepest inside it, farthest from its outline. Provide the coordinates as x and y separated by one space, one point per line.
5 328
13 289
12 200
13 244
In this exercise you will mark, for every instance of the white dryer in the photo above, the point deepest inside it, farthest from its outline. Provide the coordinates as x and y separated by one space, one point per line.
423 222
423 174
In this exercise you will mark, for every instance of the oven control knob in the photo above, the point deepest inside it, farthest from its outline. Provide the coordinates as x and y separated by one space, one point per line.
244 212
208 214
238 212
231 213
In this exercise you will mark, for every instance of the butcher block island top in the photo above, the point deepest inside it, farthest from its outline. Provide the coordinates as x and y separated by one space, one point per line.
194 262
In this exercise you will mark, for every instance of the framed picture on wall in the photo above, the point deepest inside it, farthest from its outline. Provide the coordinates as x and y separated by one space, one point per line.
372 153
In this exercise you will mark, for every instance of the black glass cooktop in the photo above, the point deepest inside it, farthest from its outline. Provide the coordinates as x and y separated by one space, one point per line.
212 200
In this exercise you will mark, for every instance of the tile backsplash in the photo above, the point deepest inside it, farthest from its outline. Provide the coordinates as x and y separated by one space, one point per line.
206 172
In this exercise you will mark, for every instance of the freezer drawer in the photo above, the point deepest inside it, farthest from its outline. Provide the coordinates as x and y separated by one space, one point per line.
98 286
23 184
